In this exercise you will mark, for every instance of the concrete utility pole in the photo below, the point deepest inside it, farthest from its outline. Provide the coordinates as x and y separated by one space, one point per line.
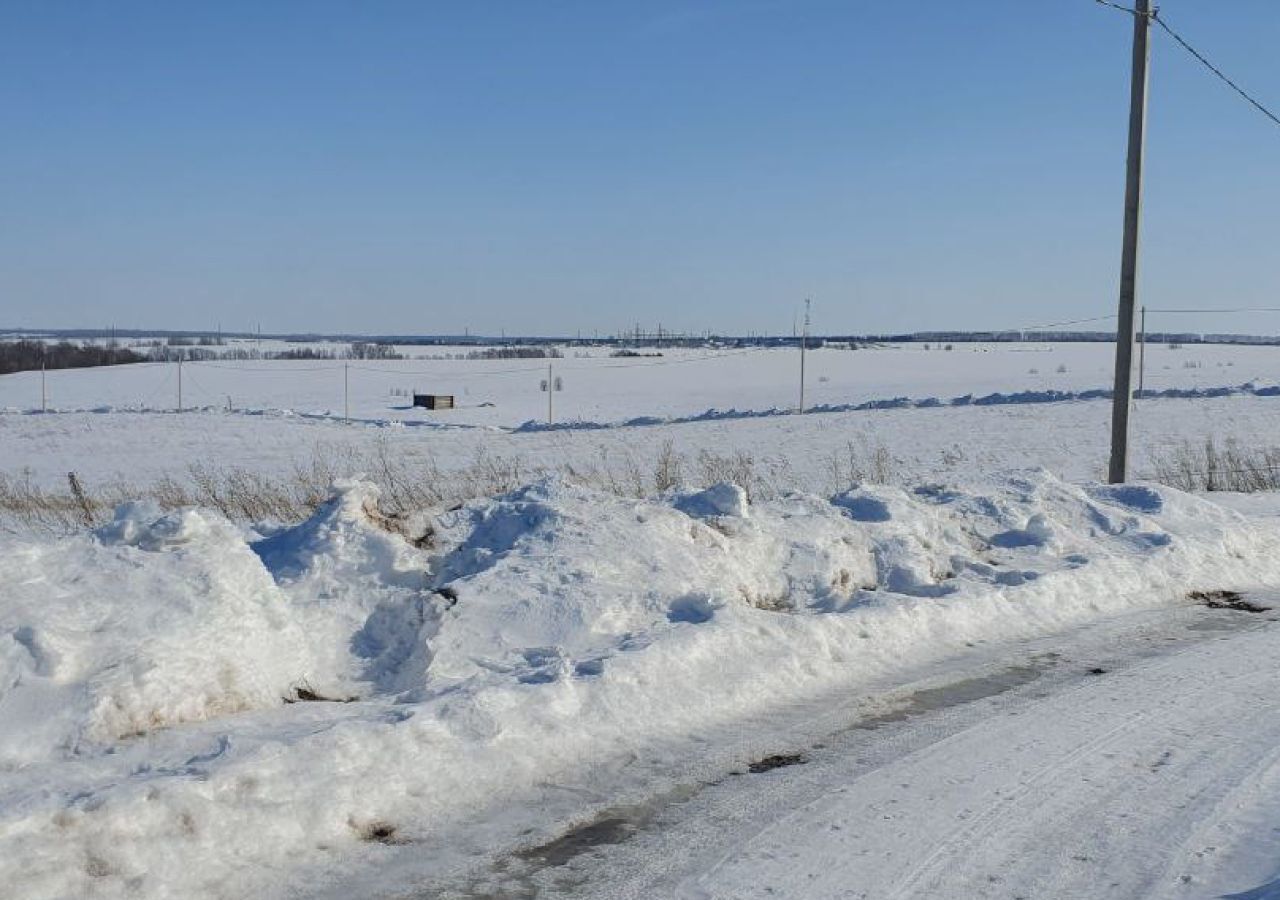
1122 398
346 393
804 345
1142 351
179 382
551 391
44 394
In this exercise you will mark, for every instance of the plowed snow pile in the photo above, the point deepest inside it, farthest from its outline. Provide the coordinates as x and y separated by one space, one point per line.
152 742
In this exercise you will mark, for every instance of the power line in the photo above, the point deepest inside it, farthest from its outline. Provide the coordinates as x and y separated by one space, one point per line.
200 387
453 375
274 370
1241 309
667 362
1127 9
164 383
1064 324
1239 469
99 370
1159 20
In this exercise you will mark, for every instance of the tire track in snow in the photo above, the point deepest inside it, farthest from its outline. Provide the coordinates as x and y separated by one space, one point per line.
731 842
963 839
964 766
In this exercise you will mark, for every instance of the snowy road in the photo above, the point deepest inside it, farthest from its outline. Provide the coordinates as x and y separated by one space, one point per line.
1045 778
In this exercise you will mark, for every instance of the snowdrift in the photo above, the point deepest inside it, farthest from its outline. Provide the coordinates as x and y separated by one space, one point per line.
998 398
153 621
543 651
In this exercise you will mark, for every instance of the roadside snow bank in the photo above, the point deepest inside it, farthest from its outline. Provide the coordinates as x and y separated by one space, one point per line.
555 650
358 590
155 620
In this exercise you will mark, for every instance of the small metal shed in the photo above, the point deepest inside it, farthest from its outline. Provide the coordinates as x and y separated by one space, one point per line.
433 401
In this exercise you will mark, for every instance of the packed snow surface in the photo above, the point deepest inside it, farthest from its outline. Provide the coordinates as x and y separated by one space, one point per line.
191 708
599 390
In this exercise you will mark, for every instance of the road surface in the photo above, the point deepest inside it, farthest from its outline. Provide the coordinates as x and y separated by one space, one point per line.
1137 758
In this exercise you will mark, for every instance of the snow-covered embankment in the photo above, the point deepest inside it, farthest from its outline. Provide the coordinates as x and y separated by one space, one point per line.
150 745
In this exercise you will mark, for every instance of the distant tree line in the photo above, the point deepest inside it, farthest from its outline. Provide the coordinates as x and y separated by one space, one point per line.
26 356
516 353
171 352
204 340
372 350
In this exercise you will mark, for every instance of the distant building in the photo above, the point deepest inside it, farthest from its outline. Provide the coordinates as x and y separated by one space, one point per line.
433 401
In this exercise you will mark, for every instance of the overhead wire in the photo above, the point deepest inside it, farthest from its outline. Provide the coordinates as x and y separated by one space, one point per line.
1224 471
669 362
1118 6
275 370
1159 20
1241 309
1164 25
200 387
99 370
451 374
1065 324
165 379
566 366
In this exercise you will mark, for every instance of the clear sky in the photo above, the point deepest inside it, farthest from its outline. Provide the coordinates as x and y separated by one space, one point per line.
549 167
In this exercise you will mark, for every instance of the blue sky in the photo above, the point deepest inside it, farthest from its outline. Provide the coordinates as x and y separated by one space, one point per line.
549 167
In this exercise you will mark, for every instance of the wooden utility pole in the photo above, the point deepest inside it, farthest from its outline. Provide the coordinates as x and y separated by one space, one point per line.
346 393
44 393
551 390
1122 398
179 381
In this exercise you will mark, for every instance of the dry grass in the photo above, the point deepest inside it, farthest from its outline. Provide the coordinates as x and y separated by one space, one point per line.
411 484
1208 466
25 503
860 462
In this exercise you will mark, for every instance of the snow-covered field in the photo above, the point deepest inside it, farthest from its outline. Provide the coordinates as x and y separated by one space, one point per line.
604 390
117 424
357 705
